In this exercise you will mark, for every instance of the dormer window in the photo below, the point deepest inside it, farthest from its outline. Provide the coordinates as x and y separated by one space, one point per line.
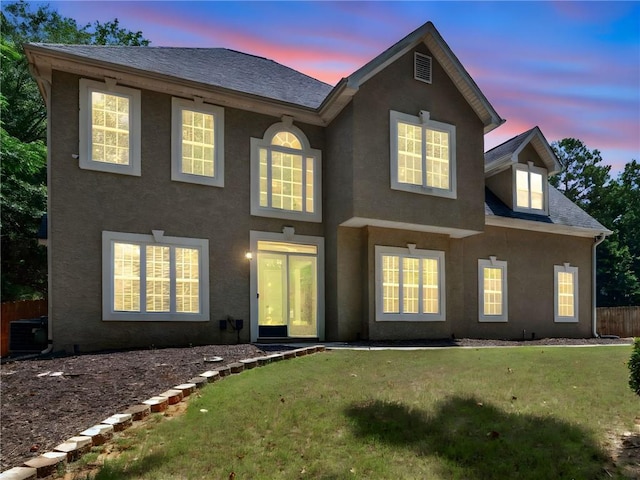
530 192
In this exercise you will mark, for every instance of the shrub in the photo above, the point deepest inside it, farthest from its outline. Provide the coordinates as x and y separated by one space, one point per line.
634 367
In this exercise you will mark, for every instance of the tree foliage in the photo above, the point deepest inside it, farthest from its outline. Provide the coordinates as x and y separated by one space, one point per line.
614 202
24 129
634 367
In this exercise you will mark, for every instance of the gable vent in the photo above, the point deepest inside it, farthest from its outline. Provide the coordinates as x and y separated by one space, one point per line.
422 67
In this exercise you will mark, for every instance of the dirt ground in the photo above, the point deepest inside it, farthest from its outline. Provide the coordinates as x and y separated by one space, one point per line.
47 400
40 410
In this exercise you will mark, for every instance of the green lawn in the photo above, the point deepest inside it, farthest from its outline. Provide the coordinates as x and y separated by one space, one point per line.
526 412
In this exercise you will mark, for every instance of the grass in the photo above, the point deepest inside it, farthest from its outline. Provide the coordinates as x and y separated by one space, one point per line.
528 413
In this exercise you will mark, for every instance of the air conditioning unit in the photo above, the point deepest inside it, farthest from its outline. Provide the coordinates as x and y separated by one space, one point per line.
28 335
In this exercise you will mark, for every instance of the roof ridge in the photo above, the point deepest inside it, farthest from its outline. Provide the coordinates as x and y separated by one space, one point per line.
525 133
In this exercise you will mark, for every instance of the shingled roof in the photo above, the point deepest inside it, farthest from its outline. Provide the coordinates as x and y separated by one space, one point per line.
213 67
507 152
562 212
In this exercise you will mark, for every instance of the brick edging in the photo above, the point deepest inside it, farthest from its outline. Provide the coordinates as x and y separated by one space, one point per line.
47 464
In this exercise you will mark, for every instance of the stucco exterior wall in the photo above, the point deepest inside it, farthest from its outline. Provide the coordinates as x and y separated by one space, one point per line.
85 202
394 88
530 258
338 207
397 330
502 184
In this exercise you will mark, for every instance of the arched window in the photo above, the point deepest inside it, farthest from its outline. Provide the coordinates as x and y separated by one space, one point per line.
286 175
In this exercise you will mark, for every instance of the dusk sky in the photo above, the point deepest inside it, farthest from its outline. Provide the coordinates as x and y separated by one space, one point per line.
571 68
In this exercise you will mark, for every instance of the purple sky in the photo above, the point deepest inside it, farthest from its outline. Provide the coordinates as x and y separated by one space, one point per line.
572 68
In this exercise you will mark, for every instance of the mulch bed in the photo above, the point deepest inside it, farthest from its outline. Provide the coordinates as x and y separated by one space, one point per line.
40 411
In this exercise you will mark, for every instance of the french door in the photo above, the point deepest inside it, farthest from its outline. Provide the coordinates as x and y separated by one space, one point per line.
287 285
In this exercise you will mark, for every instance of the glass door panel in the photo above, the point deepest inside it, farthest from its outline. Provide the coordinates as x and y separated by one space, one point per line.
303 296
272 289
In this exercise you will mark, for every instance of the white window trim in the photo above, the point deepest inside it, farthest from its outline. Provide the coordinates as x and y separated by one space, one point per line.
289 236
410 252
568 269
307 151
530 168
502 265
425 122
157 238
85 160
177 106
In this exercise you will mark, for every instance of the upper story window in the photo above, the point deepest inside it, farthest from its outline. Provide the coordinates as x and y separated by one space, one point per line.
409 284
286 175
109 127
153 277
423 155
566 293
197 143
492 290
530 188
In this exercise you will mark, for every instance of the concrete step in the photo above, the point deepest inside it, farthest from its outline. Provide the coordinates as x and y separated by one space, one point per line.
120 421
157 404
186 388
75 447
19 473
99 434
174 396
211 375
199 382
138 412
47 463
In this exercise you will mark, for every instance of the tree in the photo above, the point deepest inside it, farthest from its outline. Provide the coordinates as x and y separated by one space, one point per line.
634 367
25 115
614 203
23 129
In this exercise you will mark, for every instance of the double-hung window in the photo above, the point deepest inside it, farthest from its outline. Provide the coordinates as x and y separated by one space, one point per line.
285 175
530 188
423 155
409 284
154 277
109 128
197 143
492 290
566 293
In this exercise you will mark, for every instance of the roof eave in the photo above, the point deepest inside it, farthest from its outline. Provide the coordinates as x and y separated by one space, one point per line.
498 221
46 60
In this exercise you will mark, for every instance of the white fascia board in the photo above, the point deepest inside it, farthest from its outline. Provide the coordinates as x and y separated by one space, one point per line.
496 221
358 222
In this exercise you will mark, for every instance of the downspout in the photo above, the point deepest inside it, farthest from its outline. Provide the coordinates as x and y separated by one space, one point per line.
598 240
46 84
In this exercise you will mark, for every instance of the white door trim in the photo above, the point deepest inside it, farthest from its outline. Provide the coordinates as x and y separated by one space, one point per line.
286 237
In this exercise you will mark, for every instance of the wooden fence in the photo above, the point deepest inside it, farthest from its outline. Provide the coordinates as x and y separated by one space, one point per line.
620 321
15 311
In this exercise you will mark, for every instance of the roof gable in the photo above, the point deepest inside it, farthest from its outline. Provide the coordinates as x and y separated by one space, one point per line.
427 34
506 154
220 71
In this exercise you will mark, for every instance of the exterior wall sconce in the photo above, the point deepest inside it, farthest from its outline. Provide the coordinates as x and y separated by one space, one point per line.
248 255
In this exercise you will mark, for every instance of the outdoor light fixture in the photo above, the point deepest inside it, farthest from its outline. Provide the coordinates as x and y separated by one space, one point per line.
248 255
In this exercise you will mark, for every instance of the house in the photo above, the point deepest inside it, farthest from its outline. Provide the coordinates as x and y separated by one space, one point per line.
190 188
